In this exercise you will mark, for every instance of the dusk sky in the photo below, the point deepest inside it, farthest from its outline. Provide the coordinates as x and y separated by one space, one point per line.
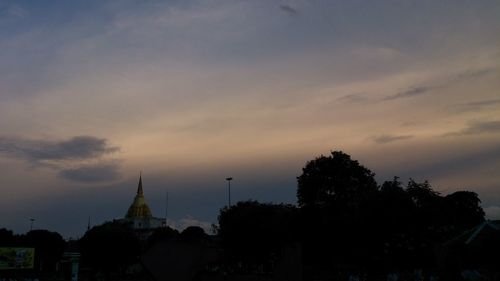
192 92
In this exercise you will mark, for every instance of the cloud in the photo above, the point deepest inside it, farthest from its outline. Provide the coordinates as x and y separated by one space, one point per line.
473 73
37 151
492 212
408 123
377 53
191 221
102 172
411 92
452 79
476 105
462 160
352 98
86 155
17 11
383 139
476 128
289 10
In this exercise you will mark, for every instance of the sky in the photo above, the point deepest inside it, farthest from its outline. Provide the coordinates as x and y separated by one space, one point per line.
191 92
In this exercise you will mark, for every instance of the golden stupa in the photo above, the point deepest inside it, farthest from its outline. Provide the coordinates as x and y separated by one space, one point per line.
139 208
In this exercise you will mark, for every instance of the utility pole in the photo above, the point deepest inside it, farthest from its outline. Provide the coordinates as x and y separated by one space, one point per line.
31 223
229 191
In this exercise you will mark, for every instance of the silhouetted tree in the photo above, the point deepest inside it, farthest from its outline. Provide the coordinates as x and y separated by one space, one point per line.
6 237
392 224
421 219
335 179
422 193
162 234
253 233
49 247
193 233
335 194
464 210
109 247
345 218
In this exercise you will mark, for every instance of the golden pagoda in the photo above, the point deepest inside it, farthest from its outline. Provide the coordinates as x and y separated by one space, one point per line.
139 208
139 217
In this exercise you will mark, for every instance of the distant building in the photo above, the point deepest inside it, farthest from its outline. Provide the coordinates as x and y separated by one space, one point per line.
139 217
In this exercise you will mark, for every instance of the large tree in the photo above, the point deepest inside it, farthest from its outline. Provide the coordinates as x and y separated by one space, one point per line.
334 179
109 247
253 233
464 209
49 247
162 234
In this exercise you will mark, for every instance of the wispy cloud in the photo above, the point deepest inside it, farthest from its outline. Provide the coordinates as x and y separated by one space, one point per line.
408 123
101 172
352 98
17 11
377 53
476 105
383 139
452 79
473 73
478 127
289 10
411 92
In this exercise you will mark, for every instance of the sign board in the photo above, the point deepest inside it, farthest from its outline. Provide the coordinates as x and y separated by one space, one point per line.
17 258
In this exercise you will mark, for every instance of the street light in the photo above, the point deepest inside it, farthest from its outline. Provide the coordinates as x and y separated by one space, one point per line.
229 190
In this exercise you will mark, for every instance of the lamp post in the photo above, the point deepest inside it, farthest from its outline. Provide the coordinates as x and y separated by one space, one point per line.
229 190
166 208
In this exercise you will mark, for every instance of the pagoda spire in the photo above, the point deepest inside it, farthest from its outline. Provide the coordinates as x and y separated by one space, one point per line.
139 208
139 187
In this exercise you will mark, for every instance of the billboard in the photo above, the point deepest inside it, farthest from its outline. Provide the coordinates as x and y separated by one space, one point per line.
17 258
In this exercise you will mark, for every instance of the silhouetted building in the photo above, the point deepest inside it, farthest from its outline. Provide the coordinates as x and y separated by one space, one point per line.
139 217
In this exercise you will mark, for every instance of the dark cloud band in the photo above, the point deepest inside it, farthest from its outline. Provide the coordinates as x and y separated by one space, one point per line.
79 147
102 172
76 152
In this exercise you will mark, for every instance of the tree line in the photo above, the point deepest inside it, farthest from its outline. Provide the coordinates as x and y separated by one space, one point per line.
343 219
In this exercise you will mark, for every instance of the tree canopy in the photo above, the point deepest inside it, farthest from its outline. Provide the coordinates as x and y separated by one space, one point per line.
162 234
49 246
110 246
253 232
346 217
334 179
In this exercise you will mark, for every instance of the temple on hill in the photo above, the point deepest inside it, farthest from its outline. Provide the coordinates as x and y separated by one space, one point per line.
139 217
